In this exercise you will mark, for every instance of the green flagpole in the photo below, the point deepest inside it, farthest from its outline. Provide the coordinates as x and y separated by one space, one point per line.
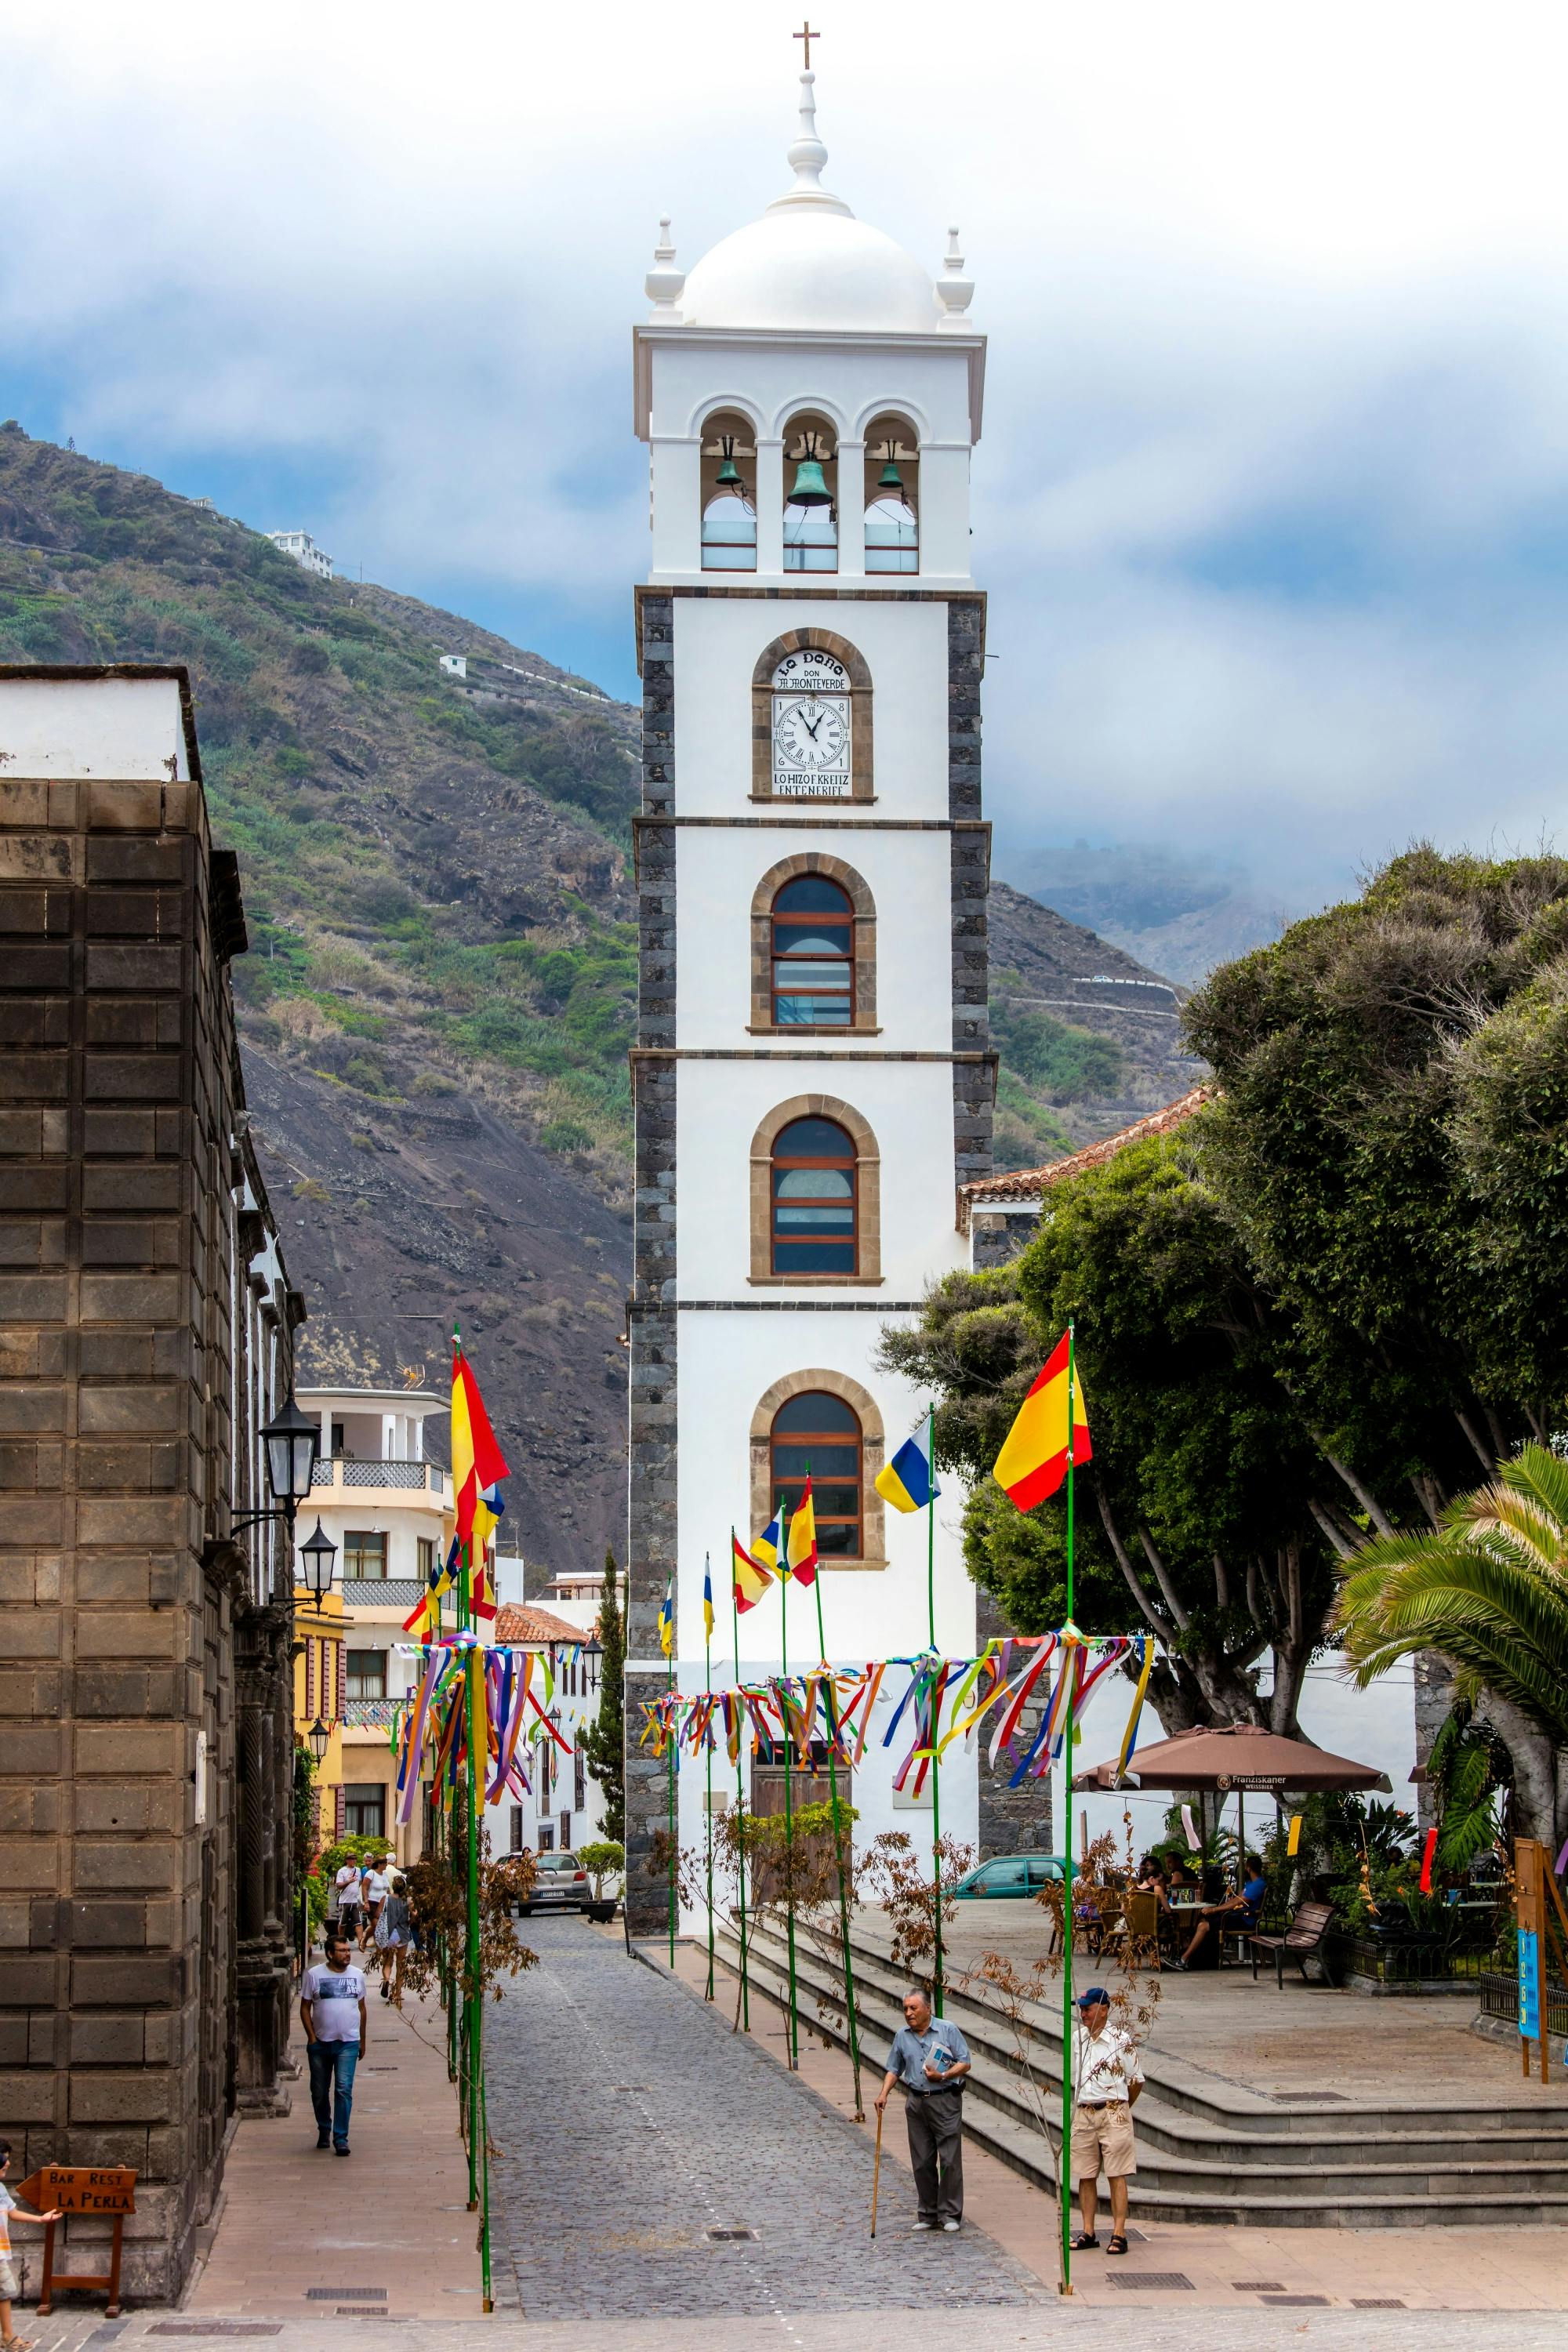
1069 1637
669 1684
935 1765
739 1801
474 2001
789 1800
708 1684
838 1837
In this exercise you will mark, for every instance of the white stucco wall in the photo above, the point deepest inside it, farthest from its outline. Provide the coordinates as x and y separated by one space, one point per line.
126 729
905 648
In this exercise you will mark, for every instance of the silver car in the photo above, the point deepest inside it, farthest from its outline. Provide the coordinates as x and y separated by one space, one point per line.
559 1884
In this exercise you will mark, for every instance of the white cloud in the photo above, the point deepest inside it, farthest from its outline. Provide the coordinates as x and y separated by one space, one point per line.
1273 500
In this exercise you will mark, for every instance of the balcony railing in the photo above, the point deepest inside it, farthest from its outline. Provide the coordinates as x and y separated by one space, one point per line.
368 1713
381 1591
417 1478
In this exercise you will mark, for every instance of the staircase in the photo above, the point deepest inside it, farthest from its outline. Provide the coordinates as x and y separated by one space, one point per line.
1206 2152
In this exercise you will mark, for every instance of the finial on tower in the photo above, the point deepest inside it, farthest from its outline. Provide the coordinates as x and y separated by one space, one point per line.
954 291
663 283
806 154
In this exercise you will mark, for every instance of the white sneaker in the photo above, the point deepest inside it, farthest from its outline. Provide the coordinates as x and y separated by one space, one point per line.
925 2225
952 2225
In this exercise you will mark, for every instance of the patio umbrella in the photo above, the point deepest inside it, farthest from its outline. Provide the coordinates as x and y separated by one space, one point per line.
1236 1755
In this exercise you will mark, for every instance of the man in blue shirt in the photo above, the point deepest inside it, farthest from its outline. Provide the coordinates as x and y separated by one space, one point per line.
1243 1909
931 2059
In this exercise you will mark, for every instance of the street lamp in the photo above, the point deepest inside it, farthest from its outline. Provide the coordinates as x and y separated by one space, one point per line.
593 1651
319 1552
319 1738
293 1441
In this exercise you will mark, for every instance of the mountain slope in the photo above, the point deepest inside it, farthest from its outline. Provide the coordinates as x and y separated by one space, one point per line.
441 986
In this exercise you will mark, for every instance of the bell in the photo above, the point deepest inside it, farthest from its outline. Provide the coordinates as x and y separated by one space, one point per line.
810 486
889 478
728 476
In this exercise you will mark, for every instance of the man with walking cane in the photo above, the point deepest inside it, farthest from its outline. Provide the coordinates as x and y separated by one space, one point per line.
930 2058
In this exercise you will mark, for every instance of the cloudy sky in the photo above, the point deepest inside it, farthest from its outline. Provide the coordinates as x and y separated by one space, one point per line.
1273 495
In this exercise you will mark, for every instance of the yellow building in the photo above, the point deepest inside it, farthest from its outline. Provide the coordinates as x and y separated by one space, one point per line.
319 1688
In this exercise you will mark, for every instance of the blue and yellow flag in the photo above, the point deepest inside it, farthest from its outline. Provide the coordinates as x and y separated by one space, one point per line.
765 1550
707 1597
667 1620
907 1482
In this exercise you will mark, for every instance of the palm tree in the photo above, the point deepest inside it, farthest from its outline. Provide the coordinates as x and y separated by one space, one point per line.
1490 1591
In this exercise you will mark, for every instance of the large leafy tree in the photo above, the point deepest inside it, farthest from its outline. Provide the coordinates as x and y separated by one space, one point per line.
1393 1076
1208 1515
1489 1590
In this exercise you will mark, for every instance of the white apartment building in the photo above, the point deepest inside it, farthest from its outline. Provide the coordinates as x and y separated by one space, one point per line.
304 551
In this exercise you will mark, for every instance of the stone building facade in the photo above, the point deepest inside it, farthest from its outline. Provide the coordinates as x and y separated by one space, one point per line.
146 1333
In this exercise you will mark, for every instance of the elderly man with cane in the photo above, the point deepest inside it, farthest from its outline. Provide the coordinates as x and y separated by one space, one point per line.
930 2058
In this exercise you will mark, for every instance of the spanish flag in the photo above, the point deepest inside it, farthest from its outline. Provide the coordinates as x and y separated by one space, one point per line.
801 1563
752 1579
906 1481
1033 1460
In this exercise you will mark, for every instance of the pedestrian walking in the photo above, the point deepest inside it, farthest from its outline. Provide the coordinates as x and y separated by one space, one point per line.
1107 2079
393 1931
377 1881
332 2011
10 2277
347 1883
931 2059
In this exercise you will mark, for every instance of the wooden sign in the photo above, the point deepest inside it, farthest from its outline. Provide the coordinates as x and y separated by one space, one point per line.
80 2189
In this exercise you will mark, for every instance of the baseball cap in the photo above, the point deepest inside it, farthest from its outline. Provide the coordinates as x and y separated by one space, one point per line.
1095 1993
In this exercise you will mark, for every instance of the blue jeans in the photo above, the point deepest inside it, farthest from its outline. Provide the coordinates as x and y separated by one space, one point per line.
332 2067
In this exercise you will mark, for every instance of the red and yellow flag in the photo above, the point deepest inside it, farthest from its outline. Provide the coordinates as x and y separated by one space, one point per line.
752 1579
801 1561
1034 1459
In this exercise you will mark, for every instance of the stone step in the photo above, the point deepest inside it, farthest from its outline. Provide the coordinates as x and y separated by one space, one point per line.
1205 2177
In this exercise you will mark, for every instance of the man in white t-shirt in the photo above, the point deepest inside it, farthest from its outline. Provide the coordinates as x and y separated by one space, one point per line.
348 1885
332 2011
377 1886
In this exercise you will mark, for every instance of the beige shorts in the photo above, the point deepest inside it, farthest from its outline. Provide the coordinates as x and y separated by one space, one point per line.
1102 2136
10 2278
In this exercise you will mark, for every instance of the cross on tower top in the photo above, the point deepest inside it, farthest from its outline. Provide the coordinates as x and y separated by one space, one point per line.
807 36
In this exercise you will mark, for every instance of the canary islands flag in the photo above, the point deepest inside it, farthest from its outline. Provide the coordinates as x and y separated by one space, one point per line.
1034 1459
906 1481
752 1579
667 1620
707 1598
764 1552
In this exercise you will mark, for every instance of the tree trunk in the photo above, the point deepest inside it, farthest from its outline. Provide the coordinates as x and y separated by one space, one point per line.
1537 1781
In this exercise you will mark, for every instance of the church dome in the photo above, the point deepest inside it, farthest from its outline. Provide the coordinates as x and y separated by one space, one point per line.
809 263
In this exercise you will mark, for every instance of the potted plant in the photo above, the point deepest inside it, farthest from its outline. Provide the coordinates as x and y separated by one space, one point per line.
599 1861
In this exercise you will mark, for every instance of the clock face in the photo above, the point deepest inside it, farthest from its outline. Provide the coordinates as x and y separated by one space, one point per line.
811 726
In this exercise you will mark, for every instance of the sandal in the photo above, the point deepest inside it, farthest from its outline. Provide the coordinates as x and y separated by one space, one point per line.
1117 2245
1082 2242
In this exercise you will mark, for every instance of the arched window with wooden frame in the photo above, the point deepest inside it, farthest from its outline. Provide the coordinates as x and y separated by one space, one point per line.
815 1196
798 947
812 981
825 1420
813 1199
818 1436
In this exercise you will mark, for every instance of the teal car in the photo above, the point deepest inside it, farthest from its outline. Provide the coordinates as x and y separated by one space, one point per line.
1009 1877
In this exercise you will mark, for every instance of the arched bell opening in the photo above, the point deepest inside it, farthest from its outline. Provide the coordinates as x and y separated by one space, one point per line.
728 494
811 495
892 496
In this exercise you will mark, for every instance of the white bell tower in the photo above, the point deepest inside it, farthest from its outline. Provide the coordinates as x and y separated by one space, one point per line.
812 1078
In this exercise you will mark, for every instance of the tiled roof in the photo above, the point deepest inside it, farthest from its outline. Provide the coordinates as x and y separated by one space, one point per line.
1026 1185
521 1621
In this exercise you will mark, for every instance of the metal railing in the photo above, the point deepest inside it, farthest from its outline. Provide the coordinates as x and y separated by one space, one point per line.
424 1477
361 1713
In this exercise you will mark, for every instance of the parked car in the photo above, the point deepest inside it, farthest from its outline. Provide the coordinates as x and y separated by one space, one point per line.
559 1884
1008 1877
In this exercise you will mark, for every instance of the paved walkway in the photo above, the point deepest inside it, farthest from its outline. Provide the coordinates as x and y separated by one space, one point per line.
387 2227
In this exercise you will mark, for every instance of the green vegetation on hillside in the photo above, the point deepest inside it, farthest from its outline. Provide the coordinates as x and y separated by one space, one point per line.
1046 1063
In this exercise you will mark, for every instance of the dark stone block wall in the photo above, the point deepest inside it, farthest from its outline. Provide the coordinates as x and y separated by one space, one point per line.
144 1725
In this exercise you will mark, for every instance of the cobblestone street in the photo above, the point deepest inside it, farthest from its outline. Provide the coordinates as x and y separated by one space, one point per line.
635 2125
